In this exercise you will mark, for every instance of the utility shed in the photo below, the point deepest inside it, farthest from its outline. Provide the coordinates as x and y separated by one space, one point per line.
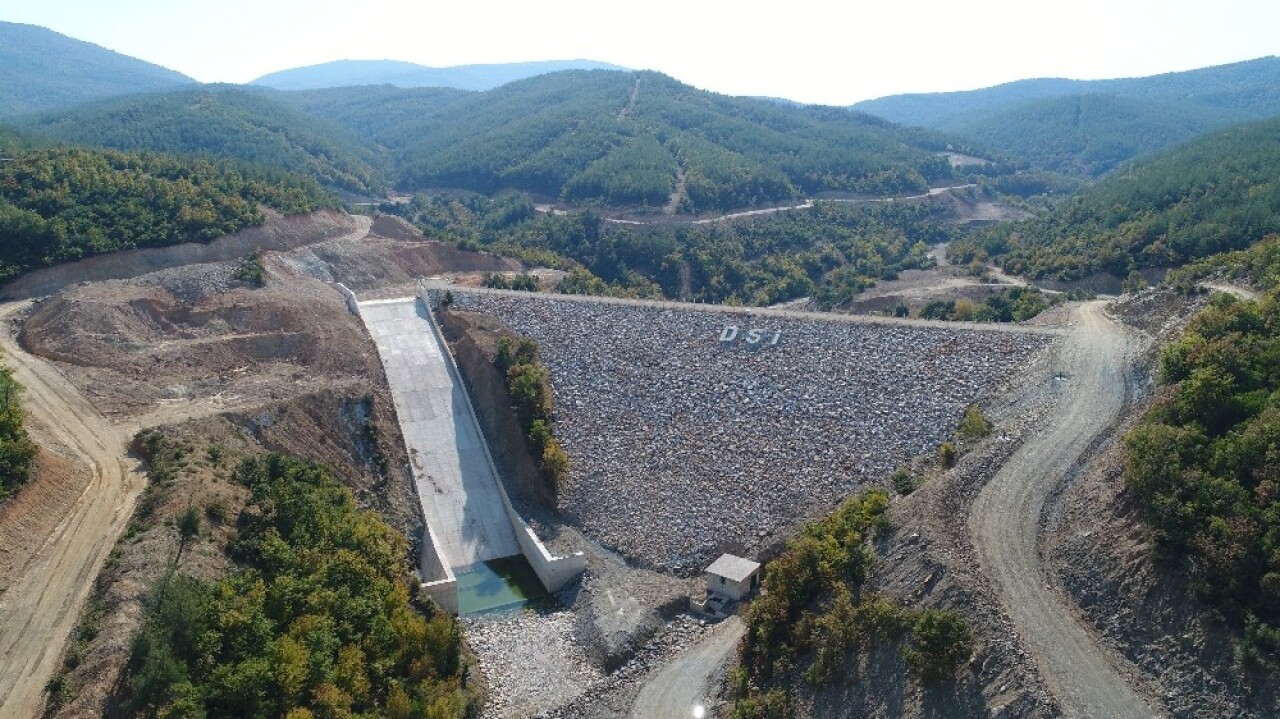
732 576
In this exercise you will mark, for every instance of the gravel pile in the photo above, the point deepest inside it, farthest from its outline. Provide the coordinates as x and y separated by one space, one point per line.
685 443
534 667
613 694
531 662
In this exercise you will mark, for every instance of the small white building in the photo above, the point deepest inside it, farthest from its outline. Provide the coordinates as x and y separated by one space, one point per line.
733 577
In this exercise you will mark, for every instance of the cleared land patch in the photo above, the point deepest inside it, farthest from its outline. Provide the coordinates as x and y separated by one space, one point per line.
687 439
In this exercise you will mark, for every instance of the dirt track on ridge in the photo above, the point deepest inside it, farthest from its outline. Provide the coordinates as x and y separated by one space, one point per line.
41 607
1006 519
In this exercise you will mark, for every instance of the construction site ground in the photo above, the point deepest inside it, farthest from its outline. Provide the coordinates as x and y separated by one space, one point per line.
285 367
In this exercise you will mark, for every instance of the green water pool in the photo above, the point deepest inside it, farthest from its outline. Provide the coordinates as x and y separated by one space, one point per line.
499 586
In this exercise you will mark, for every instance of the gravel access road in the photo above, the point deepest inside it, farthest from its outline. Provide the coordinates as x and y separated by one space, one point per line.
41 607
1005 524
683 685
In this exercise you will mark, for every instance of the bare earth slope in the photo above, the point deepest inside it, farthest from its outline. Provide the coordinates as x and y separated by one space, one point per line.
1006 518
41 606
105 357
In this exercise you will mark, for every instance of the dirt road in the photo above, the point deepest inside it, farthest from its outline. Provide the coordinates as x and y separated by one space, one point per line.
1006 518
41 607
1243 293
683 684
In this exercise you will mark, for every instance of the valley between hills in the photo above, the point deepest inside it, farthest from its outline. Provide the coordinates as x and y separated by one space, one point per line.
987 395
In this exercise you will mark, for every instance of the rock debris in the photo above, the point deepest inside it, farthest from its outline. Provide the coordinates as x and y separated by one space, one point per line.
686 438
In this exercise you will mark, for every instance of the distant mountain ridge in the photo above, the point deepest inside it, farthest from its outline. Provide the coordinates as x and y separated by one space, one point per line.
1087 127
43 70
1252 84
345 73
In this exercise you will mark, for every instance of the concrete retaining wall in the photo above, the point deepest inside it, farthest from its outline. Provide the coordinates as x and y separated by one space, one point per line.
437 579
553 572
353 304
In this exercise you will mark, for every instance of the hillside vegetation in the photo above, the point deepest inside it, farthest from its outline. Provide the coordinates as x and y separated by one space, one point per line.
63 204
1203 463
383 114
622 139
17 451
829 252
345 73
42 70
605 138
814 615
222 122
1088 135
1088 127
1215 194
316 621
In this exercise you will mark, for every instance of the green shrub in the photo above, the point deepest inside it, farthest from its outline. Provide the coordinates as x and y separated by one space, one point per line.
947 455
251 270
316 620
529 389
974 425
769 705
941 643
17 451
903 481
1202 463
189 523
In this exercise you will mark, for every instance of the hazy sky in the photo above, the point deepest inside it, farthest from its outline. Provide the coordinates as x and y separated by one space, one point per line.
829 52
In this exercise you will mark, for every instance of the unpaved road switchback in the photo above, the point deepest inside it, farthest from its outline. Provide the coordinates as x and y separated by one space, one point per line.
41 606
1006 519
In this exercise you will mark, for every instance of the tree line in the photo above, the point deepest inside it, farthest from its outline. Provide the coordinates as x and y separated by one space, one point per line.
829 252
63 204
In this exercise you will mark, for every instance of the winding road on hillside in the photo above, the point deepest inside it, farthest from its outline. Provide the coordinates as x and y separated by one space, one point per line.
667 219
1005 523
41 606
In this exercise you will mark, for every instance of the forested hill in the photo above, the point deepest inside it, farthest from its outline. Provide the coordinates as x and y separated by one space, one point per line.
223 122
42 70
1088 135
63 204
383 114
343 73
1088 127
1249 86
12 141
1214 194
623 140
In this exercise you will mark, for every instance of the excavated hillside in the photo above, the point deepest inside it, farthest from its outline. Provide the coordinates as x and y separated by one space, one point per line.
171 338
